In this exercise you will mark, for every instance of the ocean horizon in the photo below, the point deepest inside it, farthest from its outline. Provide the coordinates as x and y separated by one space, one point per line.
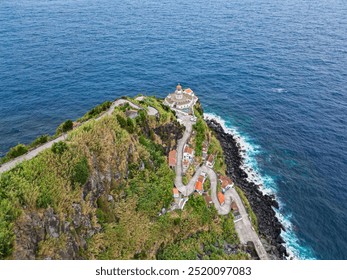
273 73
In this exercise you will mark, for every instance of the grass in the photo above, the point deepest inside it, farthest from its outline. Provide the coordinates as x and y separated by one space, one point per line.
130 227
66 126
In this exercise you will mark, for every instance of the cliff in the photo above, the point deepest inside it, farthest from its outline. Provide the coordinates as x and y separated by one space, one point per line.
105 192
263 205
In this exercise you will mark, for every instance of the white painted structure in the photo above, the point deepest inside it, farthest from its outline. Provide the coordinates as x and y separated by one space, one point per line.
188 154
181 99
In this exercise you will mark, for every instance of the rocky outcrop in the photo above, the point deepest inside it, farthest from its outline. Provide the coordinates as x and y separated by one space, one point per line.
169 134
34 228
262 205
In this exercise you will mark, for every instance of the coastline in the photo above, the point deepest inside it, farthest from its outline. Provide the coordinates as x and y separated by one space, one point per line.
262 203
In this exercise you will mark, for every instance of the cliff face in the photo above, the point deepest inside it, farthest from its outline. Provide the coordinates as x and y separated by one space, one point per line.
48 235
58 214
105 194
262 205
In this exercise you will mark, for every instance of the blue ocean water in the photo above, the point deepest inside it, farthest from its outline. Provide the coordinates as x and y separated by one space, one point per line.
273 70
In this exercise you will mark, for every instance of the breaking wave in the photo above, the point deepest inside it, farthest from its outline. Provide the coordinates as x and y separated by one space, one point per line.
266 184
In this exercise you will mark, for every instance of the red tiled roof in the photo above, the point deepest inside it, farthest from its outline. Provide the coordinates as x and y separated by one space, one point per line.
221 198
208 199
188 90
201 178
198 186
225 181
210 158
188 150
172 158
175 191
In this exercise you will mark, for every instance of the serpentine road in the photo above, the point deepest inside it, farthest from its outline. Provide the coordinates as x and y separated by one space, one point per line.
33 153
243 227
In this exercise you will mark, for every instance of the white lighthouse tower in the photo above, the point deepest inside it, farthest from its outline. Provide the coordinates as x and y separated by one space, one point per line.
179 92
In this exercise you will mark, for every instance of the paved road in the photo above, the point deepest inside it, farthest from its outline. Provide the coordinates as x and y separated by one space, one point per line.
185 190
33 153
243 227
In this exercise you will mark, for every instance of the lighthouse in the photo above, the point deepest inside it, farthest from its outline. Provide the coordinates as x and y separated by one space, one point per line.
179 92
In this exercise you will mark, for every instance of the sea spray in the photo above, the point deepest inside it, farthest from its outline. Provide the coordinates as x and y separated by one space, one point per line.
266 184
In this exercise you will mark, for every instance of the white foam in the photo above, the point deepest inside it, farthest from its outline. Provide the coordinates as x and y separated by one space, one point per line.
248 152
266 184
278 90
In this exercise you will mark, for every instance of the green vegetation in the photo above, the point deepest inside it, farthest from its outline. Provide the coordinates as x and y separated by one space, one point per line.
8 213
80 173
198 111
96 111
216 149
166 114
22 149
14 152
39 141
64 127
200 128
116 172
185 180
248 207
208 243
126 123
59 147
122 121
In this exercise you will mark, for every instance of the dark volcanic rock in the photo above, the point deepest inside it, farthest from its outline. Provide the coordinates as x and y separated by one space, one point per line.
262 205
169 134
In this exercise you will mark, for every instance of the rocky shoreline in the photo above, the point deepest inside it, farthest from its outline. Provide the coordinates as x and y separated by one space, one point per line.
262 204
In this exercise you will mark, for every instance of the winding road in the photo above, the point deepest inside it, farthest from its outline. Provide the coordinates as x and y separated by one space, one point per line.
243 227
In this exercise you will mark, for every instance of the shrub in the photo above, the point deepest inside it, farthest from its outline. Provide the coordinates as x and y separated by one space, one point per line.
130 125
59 148
96 111
122 122
45 198
200 136
80 172
64 127
7 215
17 151
125 106
39 141
6 239
229 232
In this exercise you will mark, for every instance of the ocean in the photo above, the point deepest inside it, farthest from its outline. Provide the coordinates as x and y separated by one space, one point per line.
273 72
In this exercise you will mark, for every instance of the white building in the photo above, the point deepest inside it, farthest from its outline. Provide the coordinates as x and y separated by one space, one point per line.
226 183
210 161
181 99
188 153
